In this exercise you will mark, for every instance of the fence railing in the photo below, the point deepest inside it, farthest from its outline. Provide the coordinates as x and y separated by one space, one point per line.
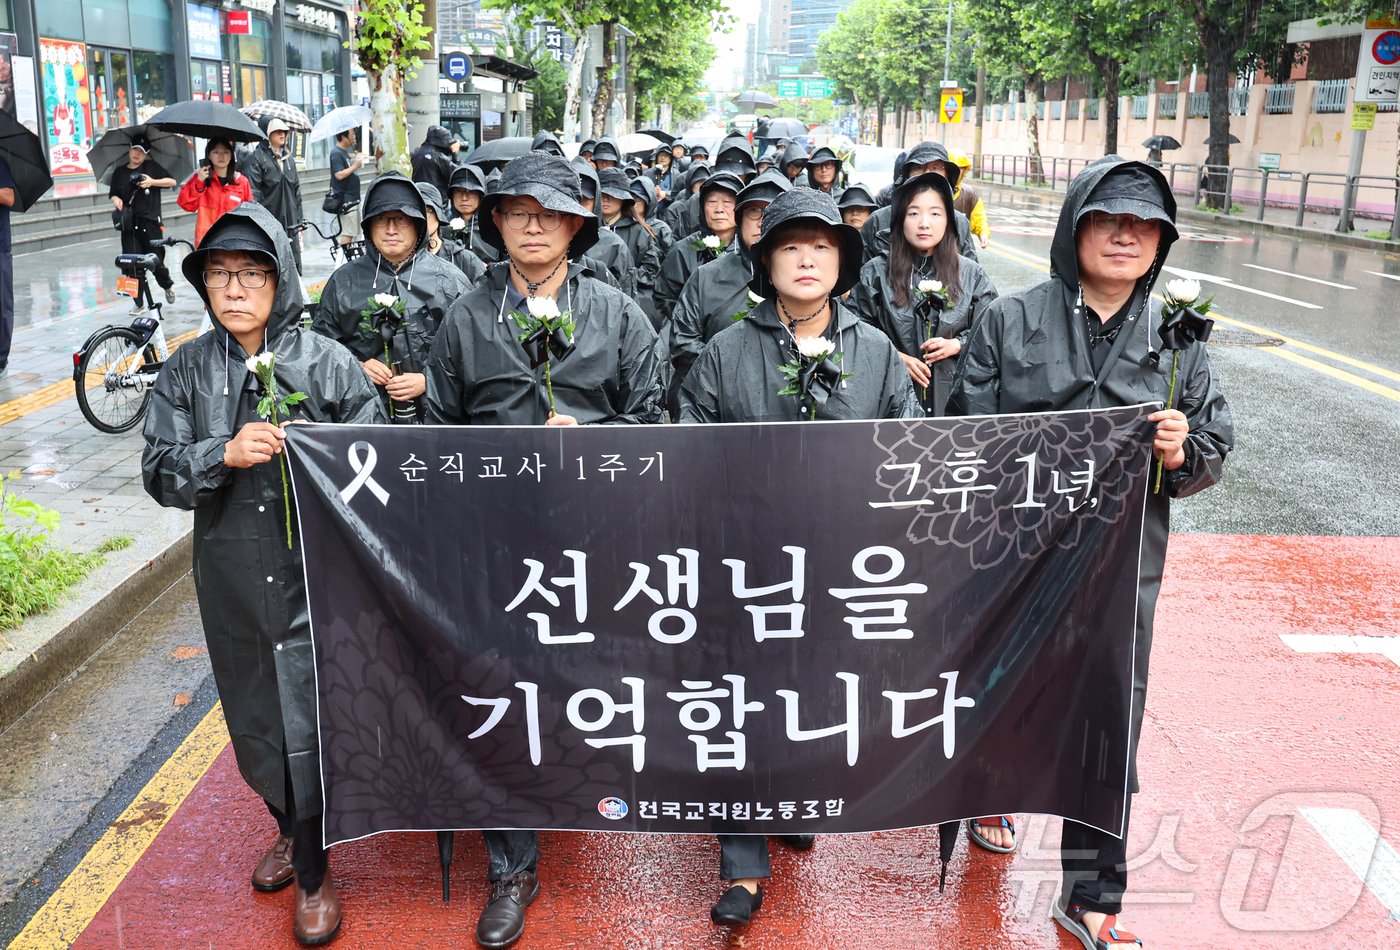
1198 107
1091 109
1278 98
1166 105
1057 108
1330 95
1239 101
1073 111
1139 107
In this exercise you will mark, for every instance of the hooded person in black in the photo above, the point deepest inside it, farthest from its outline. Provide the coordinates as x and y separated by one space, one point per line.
271 169
545 141
208 451
621 216
609 252
922 158
856 206
467 189
714 237
441 245
1089 338
794 160
736 377
824 173
356 308
433 160
645 196
606 153
719 291
683 215
896 292
735 157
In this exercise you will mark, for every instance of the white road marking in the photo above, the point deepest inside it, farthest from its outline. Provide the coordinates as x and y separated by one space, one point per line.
1227 282
1388 647
1359 844
1386 276
1315 280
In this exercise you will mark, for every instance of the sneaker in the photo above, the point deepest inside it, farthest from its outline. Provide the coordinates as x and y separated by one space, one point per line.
170 294
137 310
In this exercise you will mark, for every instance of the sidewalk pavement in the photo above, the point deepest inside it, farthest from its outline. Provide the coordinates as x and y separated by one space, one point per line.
50 454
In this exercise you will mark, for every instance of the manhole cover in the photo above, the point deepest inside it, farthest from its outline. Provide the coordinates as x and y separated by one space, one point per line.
1231 336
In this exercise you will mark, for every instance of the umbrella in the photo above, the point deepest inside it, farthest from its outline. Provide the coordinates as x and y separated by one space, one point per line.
754 99
1232 141
289 114
29 166
947 838
207 120
339 120
638 142
172 150
666 137
1161 143
786 128
500 151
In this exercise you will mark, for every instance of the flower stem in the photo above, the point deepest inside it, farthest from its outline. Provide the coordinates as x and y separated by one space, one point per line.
1171 398
549 386
286 498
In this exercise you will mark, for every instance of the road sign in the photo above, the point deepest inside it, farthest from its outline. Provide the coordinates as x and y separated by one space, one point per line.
818 88
1363 116
789 69
789 88
948 84
950 106
457 66
1378 64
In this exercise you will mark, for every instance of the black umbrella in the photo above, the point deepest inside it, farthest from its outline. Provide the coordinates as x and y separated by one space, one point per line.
786 128
499 151
947 839
1232 140
29 166
171 149
666 137
752 99
1161 143
207 120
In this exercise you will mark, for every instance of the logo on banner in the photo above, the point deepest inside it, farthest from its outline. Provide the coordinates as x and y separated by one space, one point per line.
364 474
614 809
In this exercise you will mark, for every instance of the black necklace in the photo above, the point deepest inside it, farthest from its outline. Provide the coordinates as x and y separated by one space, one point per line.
794 321
534 285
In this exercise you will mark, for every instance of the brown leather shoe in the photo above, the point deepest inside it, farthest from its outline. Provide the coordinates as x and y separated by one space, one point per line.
275 869
318 915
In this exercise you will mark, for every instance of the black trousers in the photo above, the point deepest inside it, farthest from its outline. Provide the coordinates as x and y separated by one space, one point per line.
743 856
510 853
309 856
1095 866
138 238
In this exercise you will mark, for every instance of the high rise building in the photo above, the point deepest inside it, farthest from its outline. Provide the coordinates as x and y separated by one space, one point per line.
807 21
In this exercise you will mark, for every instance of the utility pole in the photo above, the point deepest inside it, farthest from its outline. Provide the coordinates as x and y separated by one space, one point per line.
977 128
947 65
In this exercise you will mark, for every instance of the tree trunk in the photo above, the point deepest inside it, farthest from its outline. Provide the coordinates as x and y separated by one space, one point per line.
977 129
602 100
1112 71
389 125
1218 91
879 120
1037 177
573 88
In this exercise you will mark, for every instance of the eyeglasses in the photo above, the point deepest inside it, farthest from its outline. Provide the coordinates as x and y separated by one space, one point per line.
1107 225
753 212
251 279
519 220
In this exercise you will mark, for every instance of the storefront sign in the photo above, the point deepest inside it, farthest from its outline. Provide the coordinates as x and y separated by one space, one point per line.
26 98
484 39
459 105
204 32
239 23
315 16
265 7
493 101
67 98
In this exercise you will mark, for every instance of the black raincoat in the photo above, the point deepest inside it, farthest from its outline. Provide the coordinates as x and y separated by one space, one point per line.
645 253
681 261
612 254
275 183
432 161
683 215
708 303
428 285
479 373
873 300
457 254
252 595
1030 353
736 378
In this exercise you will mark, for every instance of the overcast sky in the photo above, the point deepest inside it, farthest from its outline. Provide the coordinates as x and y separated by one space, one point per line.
727 71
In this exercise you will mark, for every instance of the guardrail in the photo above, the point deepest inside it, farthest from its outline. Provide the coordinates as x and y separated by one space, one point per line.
1278 98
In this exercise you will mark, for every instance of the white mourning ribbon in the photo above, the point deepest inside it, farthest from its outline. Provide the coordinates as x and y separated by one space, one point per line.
363 472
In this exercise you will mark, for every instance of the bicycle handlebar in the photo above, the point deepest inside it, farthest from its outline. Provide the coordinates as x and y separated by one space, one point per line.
173 242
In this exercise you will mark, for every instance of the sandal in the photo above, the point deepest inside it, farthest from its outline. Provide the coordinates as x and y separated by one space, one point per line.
1108 935
973 824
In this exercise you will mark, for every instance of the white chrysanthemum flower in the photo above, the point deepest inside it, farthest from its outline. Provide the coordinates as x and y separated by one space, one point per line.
543 308
930 286
259 363
712 242
457 224
385 300
815 347
1183 290
754 298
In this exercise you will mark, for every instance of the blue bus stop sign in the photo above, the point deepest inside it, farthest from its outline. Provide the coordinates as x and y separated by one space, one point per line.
457 67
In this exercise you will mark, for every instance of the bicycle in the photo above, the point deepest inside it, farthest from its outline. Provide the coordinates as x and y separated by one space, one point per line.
350 251
116 367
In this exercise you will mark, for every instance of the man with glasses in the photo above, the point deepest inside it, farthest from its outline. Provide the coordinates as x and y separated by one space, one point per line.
208 450
481 373
1088 338
392 342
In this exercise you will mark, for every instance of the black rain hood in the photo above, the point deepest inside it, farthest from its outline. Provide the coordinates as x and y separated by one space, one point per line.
1118 186
735 157
606 150
794 154
926 152
856 196
432 198
804 204
546 142
766 187
467 178
392 191
550 181
250 227
438 137
819 157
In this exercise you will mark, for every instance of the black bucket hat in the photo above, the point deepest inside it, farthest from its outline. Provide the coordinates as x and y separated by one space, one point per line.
721 181
856 196
545 141
432 198
1136 189
769 157
823 154
392 191
550 181
699 151
614 183
467 178
587 179
587 147
807 204
641 191
606 150
766 187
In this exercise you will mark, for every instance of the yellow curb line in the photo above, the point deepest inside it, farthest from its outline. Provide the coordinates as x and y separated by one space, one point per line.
71 908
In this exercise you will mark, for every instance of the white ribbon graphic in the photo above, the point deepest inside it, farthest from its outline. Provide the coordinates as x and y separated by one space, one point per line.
363 471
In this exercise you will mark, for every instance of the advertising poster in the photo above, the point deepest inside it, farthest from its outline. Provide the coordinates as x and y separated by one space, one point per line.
9 48
67 100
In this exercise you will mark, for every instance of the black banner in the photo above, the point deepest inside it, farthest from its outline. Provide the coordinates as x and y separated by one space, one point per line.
782 628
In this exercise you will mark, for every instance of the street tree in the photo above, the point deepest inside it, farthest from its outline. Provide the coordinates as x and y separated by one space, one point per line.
389 40
668 65
847 54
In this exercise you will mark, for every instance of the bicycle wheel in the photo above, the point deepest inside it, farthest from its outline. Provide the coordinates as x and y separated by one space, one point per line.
111 383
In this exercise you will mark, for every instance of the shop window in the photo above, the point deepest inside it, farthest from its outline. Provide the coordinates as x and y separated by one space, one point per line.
253 47
107 22
61 19
150 25
154 76
7 19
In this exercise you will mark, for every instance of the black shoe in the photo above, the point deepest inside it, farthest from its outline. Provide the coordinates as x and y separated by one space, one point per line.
736 906
503 918
800 842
